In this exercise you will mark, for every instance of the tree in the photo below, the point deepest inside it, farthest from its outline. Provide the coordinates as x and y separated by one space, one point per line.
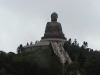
85 44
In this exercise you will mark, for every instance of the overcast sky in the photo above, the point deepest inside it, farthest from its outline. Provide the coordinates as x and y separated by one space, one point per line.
22 21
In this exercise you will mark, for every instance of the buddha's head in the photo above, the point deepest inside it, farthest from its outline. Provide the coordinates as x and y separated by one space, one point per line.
54 16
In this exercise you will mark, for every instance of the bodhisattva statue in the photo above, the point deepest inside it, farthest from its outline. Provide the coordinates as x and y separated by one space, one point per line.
53 28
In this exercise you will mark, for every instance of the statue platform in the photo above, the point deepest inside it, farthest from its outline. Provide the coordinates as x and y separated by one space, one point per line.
53 33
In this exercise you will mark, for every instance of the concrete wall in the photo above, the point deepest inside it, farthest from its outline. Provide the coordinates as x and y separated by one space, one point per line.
32 48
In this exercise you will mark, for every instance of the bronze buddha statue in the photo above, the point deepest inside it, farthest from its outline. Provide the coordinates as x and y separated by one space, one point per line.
53 29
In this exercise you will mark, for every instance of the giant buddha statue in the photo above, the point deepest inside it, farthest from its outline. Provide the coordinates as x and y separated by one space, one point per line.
53 29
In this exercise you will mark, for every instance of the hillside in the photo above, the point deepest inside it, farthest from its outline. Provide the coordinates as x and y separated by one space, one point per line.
45 62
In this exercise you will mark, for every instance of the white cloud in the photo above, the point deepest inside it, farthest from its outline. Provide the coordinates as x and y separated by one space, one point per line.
22 21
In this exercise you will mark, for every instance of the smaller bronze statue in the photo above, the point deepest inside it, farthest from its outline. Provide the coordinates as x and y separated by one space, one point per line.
53 28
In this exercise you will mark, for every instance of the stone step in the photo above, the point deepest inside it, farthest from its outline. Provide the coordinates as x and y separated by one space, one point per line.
60 52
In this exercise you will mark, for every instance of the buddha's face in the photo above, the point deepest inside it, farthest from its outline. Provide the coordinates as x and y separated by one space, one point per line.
54 17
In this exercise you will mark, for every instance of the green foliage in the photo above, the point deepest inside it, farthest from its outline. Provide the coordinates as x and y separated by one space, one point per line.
37 62
44 62
88 59
72 69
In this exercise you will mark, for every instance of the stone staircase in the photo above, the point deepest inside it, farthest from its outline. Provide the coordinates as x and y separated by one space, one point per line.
60 52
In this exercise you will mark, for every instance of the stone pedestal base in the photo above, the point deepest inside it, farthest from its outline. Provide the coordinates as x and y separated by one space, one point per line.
53 39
